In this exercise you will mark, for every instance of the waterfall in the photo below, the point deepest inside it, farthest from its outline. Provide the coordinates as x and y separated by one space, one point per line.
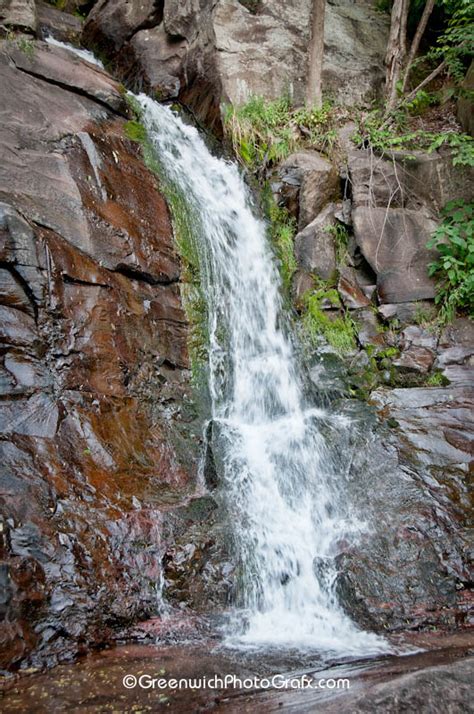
278 480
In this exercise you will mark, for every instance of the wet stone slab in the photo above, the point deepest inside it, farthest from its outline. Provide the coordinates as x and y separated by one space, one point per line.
96 682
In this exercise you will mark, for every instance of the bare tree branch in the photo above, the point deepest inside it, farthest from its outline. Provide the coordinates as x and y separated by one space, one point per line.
428 9
396 49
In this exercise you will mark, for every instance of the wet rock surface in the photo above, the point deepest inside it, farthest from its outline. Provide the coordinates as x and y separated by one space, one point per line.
95 401
417 682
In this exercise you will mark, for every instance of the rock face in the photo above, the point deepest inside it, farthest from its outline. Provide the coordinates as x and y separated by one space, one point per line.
305 183
393 241
215 52
395 206
61 25
411 567
355 42
18 15
314 249
93 354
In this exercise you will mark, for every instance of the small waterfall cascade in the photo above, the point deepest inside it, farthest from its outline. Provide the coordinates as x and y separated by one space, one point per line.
280 486
279 481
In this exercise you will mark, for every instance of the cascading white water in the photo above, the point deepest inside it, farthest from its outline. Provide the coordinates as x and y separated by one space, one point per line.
86 55
280 489
279 483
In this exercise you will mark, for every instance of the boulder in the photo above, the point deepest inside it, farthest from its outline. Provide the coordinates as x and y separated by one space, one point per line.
368 329
306 183
351 292
60 25
110 24
408 179
179 18
18 15
314 246
393 241
408 312
153 61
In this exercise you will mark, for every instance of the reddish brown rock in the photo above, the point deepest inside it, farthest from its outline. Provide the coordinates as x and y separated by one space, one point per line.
351 292
93 360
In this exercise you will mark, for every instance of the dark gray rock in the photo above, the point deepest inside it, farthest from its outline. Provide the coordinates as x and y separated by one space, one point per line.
61 25
152 60
110 24
307 182
408 312
314 246
393 241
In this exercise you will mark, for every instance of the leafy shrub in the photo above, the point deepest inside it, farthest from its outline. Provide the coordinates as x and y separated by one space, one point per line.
454 269
382 137
266 132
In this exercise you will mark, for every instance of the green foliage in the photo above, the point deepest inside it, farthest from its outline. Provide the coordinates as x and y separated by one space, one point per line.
134 106
456 44
339 332
420 102
340 236
454 269
266 132
381 137
282 229
461 145
135 131
193 299
437 379
26 46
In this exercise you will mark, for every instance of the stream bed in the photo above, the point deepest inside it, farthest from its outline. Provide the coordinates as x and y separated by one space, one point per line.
439 665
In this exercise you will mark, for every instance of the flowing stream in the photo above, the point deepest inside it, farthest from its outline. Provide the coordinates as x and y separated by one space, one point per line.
278 480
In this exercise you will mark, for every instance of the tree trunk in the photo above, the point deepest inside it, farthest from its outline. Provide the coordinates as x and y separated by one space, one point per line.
396 49
314 95
417 39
